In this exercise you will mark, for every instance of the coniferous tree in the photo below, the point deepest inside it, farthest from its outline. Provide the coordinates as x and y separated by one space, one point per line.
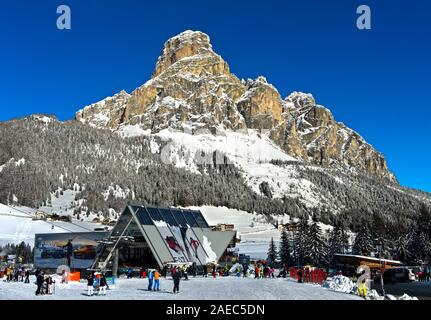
285 251
303 241
272 251
317 246
363 244
420 247
337 243
401 249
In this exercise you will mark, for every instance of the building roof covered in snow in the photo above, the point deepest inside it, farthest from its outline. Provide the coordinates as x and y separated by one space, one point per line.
372 262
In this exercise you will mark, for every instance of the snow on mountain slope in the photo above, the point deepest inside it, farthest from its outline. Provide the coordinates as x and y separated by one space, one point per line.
248 150
63 205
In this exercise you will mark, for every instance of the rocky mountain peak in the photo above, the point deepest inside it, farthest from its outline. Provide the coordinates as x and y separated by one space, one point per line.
192 87
186 44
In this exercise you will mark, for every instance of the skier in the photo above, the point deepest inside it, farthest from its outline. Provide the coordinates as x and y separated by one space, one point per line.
150 280
205 271
226 271
244 271
156 281
256 272
129 273
102 286
49 283
238 272
39 282
300 276
177 277
90 285
214 271
185 271
27 276
16 275
261 272
22 274
8 274
165 271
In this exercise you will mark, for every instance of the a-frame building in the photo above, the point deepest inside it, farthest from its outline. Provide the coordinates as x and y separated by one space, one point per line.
148 236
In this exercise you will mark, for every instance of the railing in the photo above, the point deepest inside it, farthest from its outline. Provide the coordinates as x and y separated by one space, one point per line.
317 276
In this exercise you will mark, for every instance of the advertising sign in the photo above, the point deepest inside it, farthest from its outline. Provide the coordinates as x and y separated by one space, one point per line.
76 250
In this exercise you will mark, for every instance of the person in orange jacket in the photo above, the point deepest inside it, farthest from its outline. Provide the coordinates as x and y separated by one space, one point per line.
157 280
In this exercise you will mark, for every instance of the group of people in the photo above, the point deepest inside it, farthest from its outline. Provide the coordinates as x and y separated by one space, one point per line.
154 277
45 283
15 274
99 282
154 280
424 275
215 271
262 271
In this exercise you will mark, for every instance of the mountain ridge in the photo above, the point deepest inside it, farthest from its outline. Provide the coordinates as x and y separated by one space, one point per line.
192 88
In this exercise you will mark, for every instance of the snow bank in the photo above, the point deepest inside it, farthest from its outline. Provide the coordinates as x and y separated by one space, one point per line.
339 284
407 297
343 284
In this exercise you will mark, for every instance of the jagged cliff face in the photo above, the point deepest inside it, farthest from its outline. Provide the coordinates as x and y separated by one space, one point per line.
192 88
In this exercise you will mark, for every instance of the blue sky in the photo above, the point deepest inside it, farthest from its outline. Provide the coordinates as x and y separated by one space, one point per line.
376 81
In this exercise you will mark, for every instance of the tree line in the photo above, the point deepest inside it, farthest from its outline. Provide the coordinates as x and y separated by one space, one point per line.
307 244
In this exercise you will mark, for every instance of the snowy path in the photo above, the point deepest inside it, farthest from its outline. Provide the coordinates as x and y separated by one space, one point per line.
195 289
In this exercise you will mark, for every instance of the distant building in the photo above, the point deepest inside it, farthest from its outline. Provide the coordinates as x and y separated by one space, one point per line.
223 227
40 215
291 226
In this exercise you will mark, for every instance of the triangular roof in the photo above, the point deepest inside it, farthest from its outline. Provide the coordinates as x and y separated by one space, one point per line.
174 235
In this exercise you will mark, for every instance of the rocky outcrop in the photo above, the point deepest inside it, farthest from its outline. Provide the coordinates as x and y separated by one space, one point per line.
192 88
326 141
108 113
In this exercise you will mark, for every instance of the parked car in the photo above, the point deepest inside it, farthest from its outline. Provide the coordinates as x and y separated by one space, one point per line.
85 252
412 275
399 275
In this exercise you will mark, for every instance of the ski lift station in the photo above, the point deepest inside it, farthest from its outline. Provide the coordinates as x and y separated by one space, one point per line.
144 236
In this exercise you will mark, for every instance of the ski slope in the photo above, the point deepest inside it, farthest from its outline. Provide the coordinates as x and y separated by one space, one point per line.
253 230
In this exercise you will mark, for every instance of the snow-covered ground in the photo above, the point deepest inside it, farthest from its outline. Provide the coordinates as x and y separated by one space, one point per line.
229 288
63 205
255 233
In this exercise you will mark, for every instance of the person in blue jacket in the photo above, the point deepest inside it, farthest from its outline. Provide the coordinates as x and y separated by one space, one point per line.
150 280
